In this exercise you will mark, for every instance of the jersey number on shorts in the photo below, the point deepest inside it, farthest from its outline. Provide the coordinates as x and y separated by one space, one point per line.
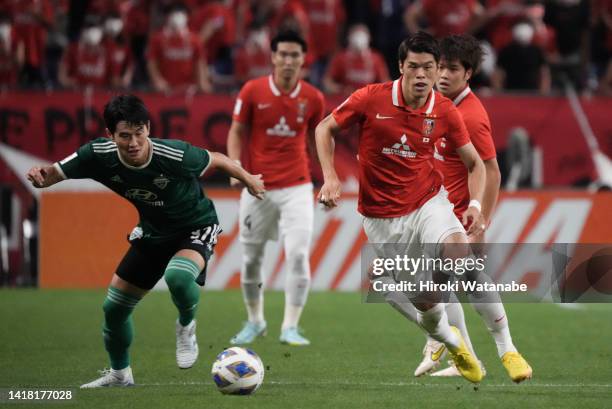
206 235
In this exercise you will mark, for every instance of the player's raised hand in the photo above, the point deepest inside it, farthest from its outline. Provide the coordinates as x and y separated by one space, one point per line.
473 221
37 176
330 192
255 186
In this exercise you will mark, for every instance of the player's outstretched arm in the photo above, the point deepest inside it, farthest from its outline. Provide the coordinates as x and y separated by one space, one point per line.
253 183
44 176
324 136
472 218
234 145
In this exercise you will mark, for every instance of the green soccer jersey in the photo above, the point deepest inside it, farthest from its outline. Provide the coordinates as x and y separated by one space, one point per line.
165 190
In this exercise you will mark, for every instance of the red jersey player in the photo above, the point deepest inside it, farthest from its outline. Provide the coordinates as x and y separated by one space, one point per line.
273 117
400 193
460 59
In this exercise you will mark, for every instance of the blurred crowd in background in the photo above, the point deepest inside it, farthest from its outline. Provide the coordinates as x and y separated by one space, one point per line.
216 45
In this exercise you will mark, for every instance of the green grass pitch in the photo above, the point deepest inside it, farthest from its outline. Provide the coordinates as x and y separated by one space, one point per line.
362 355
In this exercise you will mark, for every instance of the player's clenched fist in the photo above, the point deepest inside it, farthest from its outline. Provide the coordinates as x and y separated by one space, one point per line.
37 176
255 186
330 192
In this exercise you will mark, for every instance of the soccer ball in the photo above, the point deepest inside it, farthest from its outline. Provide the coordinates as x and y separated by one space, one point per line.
238 371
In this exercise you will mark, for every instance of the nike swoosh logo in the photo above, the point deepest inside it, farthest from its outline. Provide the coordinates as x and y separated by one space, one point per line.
263 106
435 356
379 116
500 318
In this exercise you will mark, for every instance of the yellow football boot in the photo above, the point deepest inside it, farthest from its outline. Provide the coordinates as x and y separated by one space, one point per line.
466 363
517 367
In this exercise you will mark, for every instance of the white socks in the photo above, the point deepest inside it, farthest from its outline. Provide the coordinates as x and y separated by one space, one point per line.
435 322
494 317
292 315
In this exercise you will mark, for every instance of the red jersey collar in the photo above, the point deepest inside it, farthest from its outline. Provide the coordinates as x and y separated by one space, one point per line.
398 99
278 93
462 95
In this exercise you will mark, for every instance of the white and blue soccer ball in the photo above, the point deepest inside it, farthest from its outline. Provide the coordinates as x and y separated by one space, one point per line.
238 371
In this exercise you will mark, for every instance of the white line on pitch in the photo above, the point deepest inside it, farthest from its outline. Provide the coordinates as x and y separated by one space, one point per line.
429 385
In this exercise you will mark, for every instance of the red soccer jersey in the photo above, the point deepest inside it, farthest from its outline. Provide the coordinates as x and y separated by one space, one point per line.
222 19
88 65
455 173
251 62
449 16
326 18
177 56
8 60
278 125
29 20
354 70
120 55
396 146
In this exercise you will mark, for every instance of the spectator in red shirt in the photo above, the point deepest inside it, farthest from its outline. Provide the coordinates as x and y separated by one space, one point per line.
136 15
254 58
326 19
9 53
31 21
356 66
176 58
444 17
216 26
87 61
119 50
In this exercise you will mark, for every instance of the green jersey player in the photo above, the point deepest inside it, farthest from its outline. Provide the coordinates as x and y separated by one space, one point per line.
177 230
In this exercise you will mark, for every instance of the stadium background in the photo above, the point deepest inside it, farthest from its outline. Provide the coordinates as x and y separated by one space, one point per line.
552 132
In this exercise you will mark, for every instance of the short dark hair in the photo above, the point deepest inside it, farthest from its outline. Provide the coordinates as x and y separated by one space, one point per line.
420 42
288 37
128 108
464 48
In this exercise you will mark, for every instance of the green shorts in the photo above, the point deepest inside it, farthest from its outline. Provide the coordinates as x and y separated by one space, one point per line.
144 263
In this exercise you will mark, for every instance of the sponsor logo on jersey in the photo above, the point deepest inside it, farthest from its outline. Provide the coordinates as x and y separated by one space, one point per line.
428 126
281 129
400 149
263 106
161 181
143 196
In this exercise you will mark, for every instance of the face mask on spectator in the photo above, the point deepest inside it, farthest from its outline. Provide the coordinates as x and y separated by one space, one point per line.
522 33
260 39
93 35
359 40
5 31
113 26
178 20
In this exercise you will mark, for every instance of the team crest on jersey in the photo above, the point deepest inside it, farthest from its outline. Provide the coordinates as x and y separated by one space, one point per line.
161 181
301 106
428 126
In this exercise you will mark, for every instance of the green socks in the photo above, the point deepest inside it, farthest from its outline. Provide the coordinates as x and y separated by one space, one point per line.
180 276
118 329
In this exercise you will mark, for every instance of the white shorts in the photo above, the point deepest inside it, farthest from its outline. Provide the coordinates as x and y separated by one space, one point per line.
285 209
418 233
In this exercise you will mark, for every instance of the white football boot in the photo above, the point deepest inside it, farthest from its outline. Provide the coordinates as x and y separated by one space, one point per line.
186 345
433 352
112 377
